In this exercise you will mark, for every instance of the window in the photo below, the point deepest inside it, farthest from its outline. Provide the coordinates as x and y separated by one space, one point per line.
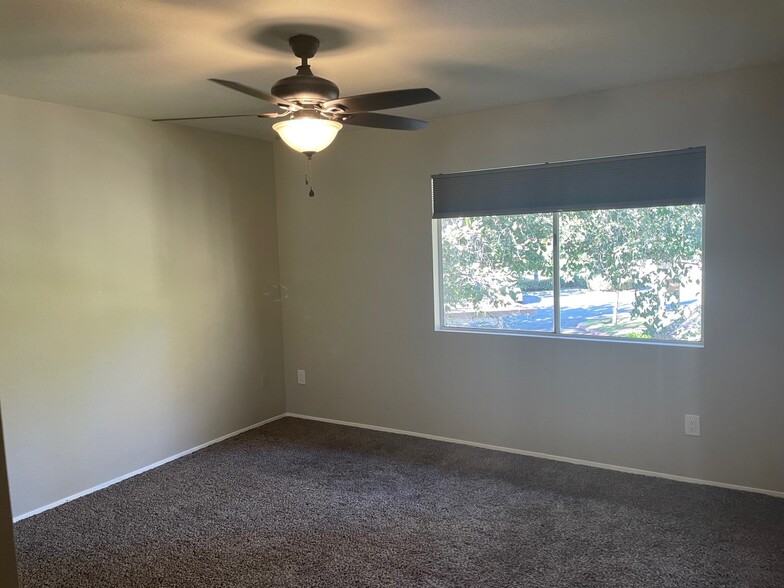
606 248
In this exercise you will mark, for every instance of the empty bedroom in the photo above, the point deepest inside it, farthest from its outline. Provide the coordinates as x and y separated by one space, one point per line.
393 293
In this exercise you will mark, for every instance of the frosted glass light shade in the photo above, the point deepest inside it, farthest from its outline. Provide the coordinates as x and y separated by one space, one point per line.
307 135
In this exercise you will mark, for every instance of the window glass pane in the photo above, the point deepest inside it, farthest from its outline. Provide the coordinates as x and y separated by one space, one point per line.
633 273
497 272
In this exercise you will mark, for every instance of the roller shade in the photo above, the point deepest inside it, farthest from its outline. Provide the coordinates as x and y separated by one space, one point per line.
664 178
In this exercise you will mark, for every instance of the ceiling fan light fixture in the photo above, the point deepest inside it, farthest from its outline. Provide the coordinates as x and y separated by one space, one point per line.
307 135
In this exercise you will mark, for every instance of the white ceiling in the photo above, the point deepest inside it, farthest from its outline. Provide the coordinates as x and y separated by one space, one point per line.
151 58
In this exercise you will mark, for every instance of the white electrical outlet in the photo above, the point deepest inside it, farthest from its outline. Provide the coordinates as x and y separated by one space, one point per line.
693 425
300 376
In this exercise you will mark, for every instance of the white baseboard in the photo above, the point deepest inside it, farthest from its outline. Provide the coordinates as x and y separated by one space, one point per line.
142 470
592 464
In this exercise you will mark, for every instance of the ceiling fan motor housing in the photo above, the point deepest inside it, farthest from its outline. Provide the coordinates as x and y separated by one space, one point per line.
305 88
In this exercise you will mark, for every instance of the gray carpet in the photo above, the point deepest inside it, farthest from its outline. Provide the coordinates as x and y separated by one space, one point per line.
301 503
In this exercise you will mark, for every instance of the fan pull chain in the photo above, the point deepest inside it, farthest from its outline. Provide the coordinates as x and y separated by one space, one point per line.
309 175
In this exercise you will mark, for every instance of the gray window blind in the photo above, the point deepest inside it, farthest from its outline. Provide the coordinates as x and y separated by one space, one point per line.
650 179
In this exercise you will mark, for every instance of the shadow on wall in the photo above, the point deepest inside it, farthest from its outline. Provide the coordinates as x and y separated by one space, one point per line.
134 317
211 245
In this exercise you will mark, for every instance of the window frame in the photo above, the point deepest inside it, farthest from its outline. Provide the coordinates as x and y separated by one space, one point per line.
438 286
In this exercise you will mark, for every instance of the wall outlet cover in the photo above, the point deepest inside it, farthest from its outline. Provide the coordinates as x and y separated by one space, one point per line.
693 425
300 376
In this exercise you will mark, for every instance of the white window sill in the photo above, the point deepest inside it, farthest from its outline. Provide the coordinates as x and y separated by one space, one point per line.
572 337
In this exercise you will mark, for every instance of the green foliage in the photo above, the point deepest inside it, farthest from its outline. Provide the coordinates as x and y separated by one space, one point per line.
489 262
546 284
650 250
488 259
543 285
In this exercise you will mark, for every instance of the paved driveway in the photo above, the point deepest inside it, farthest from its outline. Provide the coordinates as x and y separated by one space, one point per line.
577 308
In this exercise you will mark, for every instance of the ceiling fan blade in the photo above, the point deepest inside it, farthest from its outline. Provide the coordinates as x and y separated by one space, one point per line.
202 117
382 121
252 92
383 100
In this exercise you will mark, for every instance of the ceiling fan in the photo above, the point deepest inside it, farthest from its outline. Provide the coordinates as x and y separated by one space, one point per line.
314 109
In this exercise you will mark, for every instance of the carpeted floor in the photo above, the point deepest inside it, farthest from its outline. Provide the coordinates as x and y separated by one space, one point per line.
307 504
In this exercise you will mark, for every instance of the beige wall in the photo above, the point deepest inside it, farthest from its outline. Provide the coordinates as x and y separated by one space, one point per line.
356 262
7 547
139 307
